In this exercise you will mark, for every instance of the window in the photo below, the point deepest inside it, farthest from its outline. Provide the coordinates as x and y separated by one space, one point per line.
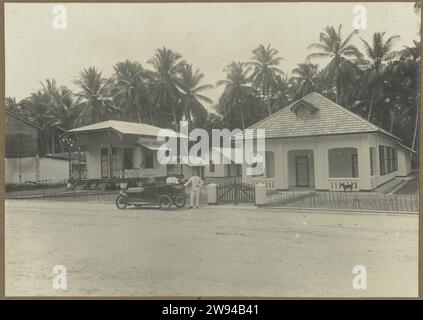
212 168
354 162
382 160
395 157
104 160
372 160
148 159
127 158
116 170
388 158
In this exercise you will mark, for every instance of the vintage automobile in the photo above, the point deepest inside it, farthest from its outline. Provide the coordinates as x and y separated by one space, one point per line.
162 194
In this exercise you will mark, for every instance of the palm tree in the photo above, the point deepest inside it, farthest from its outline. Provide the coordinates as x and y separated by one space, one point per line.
192 97
378 54
166 65
237 90
131 91
283 94
409 64
12 105
265 62
305 76
49 108
95 97
417 6
340 52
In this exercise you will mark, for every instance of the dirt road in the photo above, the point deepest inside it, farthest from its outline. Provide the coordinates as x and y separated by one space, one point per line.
211 251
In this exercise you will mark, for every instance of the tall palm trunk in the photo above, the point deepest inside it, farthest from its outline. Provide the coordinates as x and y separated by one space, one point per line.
175 119
338 80
242 119
416 125
370 106
338 88
52 143
151 116
392 121
269 110
188 114
138 107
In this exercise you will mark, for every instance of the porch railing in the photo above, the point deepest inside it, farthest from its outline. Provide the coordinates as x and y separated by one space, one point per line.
137 173
269 182
344 184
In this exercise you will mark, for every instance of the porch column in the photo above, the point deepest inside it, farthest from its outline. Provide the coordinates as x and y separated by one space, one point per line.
281 159
364 165
321 166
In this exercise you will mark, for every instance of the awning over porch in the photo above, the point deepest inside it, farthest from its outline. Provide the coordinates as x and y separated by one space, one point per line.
153 146
194 161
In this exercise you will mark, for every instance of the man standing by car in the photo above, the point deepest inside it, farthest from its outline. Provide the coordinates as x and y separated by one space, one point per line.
196 184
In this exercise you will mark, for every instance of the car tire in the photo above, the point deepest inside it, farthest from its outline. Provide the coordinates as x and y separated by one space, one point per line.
121 202
165 202
180 200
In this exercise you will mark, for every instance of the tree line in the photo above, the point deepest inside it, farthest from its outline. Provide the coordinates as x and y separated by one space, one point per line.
373 81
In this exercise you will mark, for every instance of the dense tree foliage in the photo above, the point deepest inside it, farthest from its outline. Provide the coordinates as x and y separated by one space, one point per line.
373 81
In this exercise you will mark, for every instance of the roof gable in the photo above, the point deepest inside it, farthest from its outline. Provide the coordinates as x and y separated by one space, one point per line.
329 118
22 119
123 127
302 105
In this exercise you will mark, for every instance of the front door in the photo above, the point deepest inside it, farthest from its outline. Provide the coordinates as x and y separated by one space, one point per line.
104 161
302 171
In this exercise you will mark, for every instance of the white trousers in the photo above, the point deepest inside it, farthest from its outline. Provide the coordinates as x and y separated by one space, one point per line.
195 193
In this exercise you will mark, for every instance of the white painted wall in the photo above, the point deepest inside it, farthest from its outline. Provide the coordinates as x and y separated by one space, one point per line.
23 167
404 162
320 147
220 170
54 170
94 142
378 139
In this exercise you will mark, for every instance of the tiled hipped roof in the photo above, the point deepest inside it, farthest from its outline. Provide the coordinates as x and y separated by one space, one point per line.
330 119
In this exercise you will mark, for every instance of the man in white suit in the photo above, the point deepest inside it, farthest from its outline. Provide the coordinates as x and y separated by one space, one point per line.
196 184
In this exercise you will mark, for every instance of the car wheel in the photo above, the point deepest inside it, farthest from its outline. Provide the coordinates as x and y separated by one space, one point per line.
121 202
165 202
180 200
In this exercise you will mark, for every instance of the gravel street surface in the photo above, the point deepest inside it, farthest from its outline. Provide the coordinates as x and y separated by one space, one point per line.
210 251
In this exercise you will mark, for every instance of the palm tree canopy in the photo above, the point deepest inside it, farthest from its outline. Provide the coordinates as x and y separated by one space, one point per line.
238 103
332 45
265 62
95 96
166 65
304 77
341 52
380 50
189 84
131 90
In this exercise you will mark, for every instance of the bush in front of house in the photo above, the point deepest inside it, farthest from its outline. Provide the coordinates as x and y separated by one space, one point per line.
32 186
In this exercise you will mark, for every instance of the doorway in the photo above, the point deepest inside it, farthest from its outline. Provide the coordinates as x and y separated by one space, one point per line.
302 171
104 161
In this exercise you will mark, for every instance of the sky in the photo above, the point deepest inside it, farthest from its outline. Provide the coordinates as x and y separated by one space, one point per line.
207 35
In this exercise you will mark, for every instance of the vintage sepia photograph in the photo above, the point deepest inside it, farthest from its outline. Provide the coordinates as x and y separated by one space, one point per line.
266 150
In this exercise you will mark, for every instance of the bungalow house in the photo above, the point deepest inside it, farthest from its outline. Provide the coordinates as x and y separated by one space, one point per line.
222 170
315 143
121 151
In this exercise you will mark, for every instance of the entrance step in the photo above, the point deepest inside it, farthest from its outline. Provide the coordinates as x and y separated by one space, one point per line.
390 186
